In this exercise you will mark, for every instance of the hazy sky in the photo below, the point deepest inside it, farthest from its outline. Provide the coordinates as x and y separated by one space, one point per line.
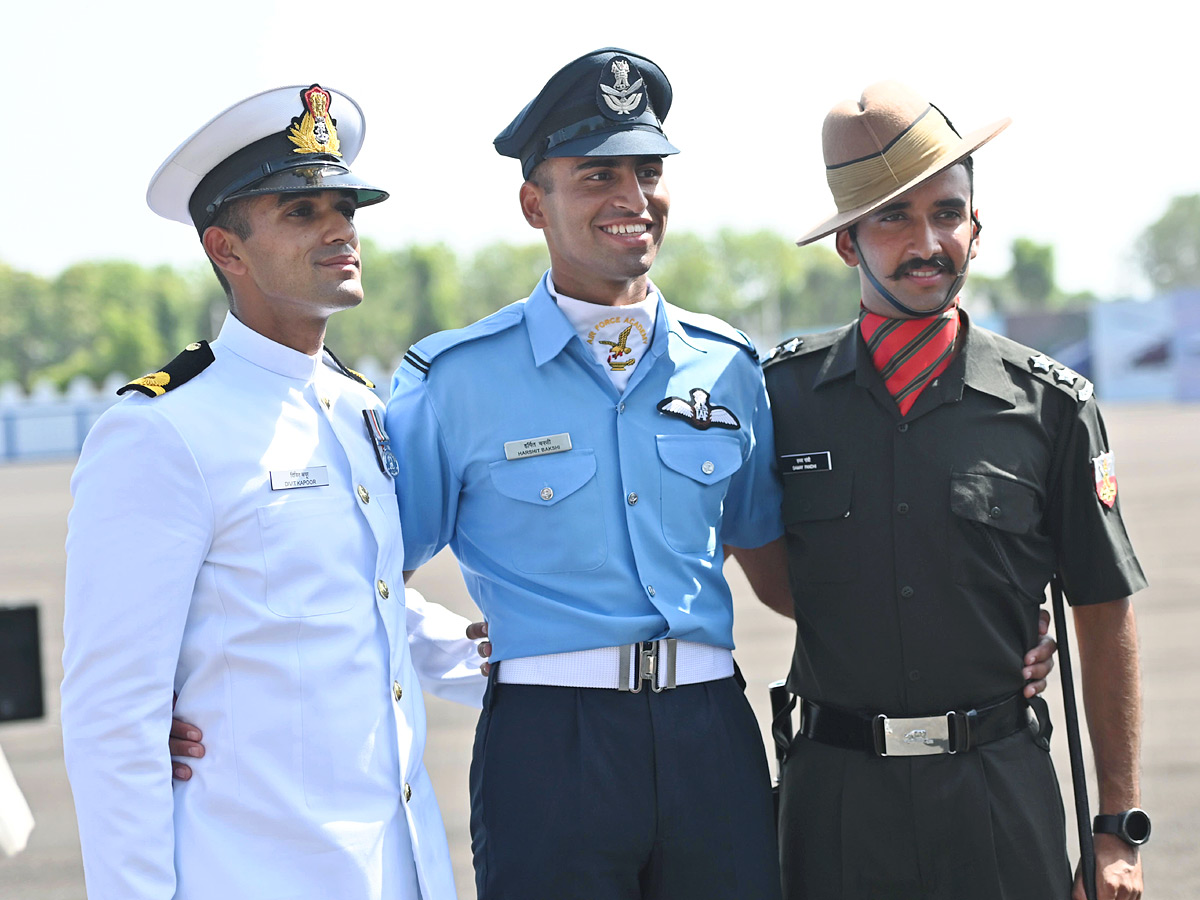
1104 105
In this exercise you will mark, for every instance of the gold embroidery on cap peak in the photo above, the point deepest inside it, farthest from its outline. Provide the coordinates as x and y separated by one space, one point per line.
315 131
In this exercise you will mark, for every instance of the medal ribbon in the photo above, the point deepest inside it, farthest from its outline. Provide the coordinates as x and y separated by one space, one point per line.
909 353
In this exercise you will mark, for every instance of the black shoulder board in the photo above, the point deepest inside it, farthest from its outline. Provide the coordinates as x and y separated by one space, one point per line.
194 359
349 372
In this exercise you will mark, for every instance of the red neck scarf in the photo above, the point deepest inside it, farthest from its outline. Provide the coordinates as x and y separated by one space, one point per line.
910 353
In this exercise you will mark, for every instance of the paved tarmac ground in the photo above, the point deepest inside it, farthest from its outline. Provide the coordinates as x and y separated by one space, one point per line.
1158 454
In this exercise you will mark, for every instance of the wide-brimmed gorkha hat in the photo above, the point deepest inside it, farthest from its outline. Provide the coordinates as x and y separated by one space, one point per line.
885 143
284 140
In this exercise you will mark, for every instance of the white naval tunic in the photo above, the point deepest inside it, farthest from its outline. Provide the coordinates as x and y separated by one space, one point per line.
279 617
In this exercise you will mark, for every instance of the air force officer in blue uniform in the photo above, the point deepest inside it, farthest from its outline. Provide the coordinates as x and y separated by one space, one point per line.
586 453
235 540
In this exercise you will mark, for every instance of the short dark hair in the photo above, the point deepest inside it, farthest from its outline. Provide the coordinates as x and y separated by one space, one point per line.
541 177
231 216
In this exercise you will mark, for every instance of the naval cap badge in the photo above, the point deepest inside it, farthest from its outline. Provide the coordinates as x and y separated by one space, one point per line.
621 97
315 131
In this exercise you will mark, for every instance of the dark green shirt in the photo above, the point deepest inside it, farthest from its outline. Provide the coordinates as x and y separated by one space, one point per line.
920 546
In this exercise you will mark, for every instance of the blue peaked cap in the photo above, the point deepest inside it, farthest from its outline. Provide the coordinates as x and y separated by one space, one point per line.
608 103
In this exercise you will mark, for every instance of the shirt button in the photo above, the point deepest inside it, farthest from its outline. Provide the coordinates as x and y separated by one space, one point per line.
547 493
407 792
906 592
621 407
708 468
650 589
631 499
363 494
902 427
383 588
994 512
397 691
914 675
902 508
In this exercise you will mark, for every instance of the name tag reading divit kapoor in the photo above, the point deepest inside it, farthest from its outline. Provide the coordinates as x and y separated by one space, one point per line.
288 479
538 446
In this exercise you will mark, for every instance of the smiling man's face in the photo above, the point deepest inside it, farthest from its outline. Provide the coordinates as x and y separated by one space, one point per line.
603 218
916 245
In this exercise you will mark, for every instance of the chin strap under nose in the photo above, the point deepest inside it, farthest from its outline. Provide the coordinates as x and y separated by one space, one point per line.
955 287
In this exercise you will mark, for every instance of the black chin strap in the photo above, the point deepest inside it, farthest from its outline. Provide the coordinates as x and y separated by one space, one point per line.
950 294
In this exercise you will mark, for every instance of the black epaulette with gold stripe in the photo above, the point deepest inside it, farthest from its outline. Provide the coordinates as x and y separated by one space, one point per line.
349 372
194 359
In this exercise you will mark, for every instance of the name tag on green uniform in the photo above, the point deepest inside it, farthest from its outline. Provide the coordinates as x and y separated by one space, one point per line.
795 463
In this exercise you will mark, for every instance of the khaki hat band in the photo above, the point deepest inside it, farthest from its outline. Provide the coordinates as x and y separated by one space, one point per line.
916 151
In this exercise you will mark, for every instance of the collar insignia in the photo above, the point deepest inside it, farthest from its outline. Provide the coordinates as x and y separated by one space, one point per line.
1086 390
315 131
1039 363
621 98
1105 468
699 413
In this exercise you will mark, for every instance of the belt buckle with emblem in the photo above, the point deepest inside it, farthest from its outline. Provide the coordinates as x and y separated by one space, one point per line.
383 450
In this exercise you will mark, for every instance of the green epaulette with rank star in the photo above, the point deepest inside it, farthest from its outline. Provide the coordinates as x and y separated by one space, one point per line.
194 359
1046 369
799 346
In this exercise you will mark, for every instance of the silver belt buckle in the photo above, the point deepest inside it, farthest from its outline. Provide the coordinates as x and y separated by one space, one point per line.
921 736
650 660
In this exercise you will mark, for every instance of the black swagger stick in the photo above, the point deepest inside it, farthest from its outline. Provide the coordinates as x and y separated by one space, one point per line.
1083 817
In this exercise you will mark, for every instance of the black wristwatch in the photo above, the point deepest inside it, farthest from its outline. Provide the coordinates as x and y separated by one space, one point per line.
1131 826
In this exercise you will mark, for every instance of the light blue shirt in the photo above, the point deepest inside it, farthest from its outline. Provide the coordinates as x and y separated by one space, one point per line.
618 539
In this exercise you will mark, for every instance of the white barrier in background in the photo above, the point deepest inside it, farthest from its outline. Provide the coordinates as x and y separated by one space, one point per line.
48 424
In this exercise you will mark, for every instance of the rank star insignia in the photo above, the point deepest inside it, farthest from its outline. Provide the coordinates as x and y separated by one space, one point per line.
315 131
1039 363
621 98
1104 467
1065 376
698 412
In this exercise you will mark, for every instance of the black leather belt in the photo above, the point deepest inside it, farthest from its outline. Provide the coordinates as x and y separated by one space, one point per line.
956 731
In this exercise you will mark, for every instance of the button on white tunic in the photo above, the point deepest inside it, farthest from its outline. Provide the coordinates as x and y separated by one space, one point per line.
279 617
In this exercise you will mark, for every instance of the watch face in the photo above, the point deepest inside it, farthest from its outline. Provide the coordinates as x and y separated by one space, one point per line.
1137 826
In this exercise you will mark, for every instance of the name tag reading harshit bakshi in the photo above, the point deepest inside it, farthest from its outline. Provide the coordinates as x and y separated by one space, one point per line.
538 446
289 479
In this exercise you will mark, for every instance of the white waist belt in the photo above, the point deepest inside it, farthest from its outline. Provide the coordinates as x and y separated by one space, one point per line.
664 664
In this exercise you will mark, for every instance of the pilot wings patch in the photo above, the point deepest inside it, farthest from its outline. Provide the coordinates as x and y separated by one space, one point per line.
698 412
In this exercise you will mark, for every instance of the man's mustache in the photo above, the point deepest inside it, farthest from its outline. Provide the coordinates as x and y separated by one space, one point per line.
939 261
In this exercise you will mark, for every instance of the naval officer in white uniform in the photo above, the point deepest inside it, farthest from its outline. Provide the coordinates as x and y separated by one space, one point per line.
235 540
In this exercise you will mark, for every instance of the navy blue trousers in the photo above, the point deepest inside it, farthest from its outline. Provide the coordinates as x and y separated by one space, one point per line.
604 795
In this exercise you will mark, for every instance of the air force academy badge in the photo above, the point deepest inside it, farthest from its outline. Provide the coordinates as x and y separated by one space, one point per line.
1105 468
621 98
699 413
